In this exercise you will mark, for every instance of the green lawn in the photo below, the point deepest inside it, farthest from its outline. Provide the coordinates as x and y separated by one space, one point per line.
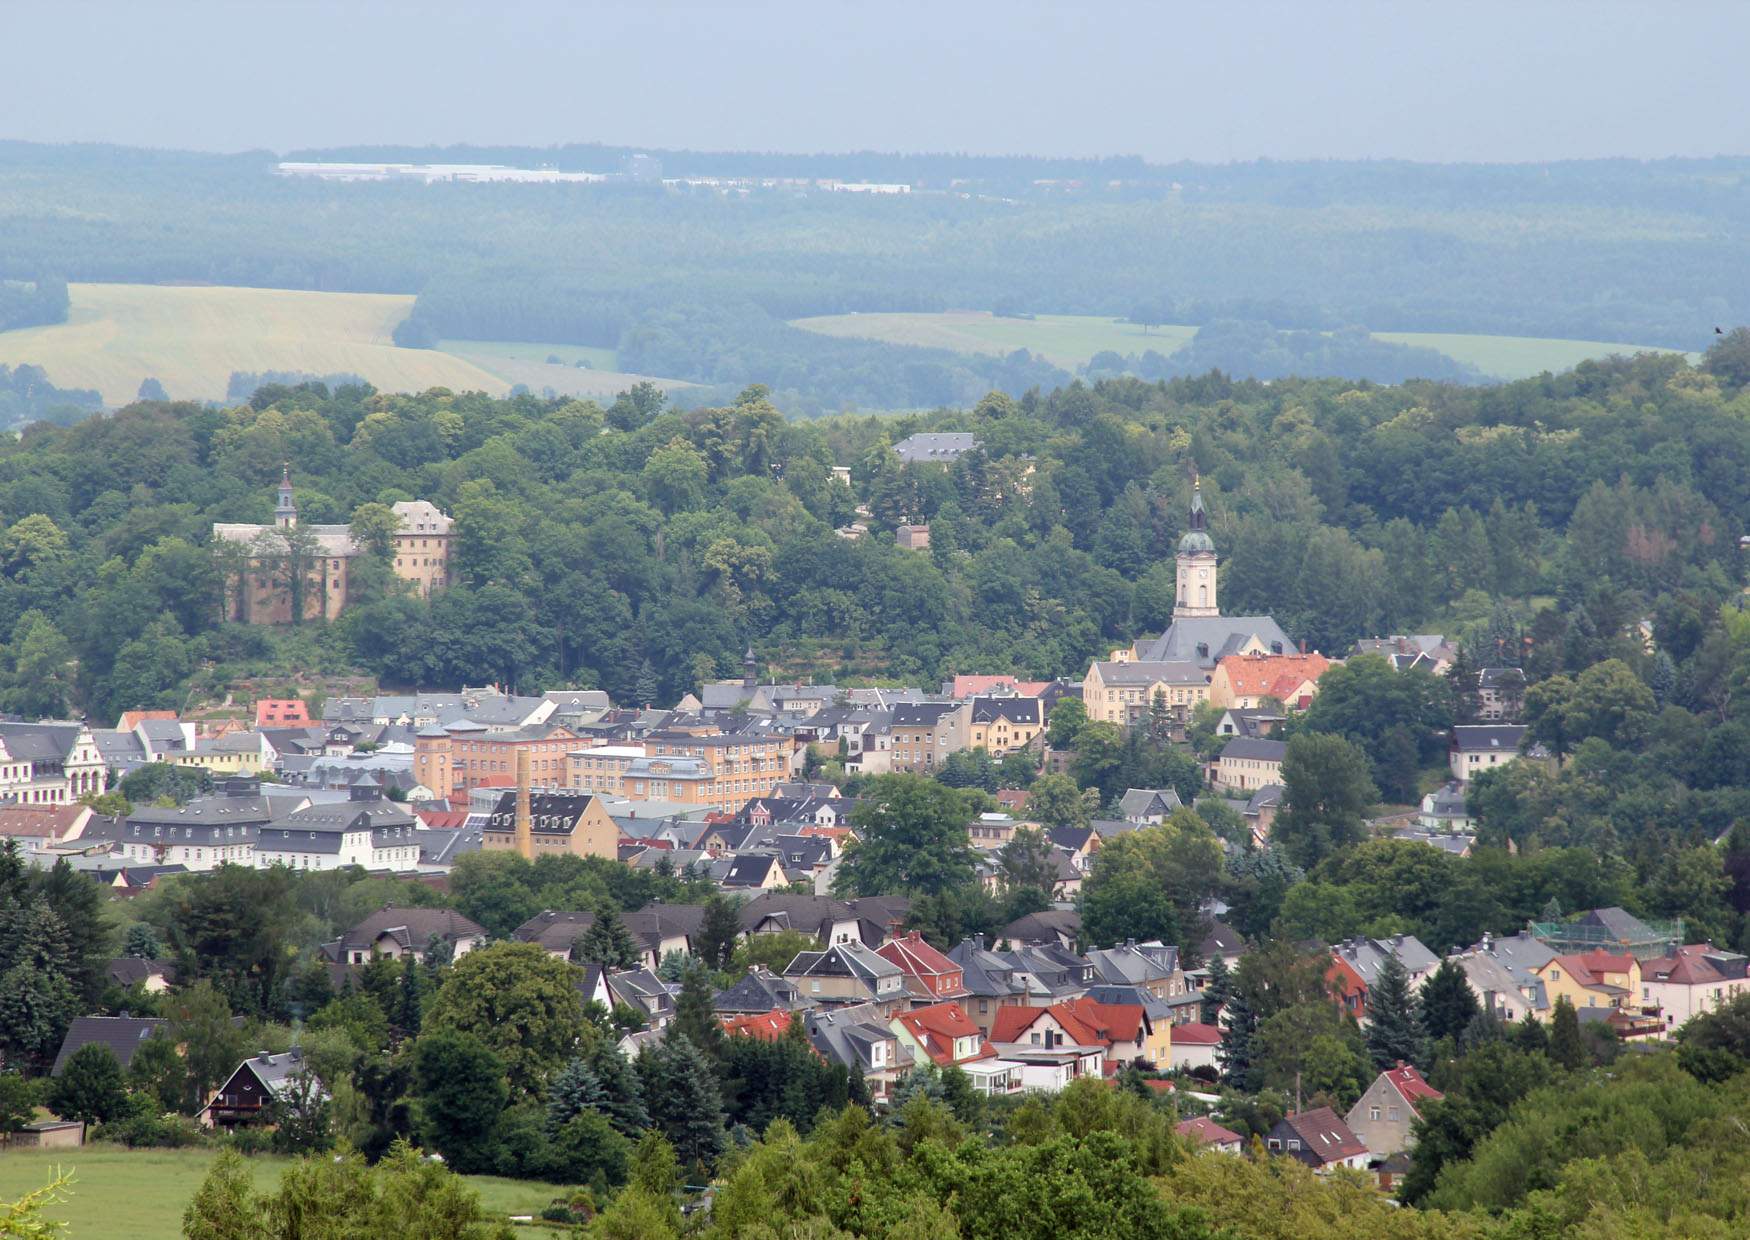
141 1194
1070 340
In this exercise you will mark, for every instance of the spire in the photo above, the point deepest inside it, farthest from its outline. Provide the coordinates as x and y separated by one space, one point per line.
285 512
1199 519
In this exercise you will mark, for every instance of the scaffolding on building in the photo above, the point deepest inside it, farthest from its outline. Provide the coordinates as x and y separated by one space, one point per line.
1643 940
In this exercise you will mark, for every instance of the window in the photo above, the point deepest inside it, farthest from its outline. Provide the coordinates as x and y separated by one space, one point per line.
1274 1144
1391 1113
1373 1114
1293 1144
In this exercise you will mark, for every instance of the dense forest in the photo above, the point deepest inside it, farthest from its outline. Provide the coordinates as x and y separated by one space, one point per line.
695 284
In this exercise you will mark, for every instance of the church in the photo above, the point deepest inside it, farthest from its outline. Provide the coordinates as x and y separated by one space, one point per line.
267 567
1180 663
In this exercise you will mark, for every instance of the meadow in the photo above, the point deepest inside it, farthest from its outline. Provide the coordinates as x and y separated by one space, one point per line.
192 337
141 1194
1070 340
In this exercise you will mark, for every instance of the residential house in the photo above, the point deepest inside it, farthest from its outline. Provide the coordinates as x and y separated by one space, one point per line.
860 1039
1251 681
870 921
1356 962
41 826
1004 725
848 973
999 685
642 991
1050 1069
121 1034
923 734
912 537
1320 1139
991 980
256 1084
761 990
934 447
930 977
1256 722
1209 1135
1595 979
1381 1119
945 1036
1444 809
1148 806
1481 747
989 832
1692 981
1123 1032
1123 691
1194 1046
1500 991
1153 966
208 831
559 822
1429 651
750 871
1060 927
762 1026
396 931
281 713
154 977
366 831
1079 844
1500 694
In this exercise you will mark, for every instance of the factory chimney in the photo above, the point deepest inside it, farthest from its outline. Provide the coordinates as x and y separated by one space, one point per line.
525 836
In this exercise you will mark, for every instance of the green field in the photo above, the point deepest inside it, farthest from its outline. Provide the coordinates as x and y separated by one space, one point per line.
141 1194
524 351
190 338
1070 340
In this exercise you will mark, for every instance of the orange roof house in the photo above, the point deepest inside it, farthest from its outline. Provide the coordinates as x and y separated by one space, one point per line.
132 719
1246 680
943 1033
929 975
281 713
1123 1030
766 1026
1348 986
984 686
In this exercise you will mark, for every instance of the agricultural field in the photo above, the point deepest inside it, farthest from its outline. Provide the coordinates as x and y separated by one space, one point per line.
1070 340
141 1194
191 338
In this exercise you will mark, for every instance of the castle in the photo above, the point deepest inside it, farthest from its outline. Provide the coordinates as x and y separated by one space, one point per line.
272 569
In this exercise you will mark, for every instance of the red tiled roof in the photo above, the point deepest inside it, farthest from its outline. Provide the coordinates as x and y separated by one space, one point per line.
132 719
915 956
442 819
1587 969
1012 1021
285 711
50 822
1272 675
1085 1022
766 1026
1194 1034
1411 1086
1324 1135
978 686
1688 967
935 1028
1206 1131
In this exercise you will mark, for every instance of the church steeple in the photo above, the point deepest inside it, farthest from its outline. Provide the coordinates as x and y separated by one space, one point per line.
285 512
1196 579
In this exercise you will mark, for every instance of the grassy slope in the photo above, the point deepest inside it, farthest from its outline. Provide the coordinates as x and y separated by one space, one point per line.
521 362
1070 340
527 351
192 338
141 1194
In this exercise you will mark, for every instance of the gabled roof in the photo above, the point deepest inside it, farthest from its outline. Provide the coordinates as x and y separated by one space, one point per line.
760 990
1488 737
1272 675
843 960
122 1034
1204 1130
1411 1086
917 958
1255 749
1324 1137
936 1027
128 971
1045 926
1026 710
1139 803
1195 1034
412 928
1220 635
766 1026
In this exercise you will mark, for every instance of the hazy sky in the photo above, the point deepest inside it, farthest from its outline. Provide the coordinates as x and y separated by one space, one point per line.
1237 79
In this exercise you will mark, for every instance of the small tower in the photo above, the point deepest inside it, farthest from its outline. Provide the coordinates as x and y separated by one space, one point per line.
1196 591
750 671
285 512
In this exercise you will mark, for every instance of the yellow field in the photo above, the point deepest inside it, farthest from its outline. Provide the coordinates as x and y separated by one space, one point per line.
192 338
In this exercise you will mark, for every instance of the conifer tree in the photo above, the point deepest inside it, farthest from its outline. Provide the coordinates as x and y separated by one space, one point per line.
408 999
681 1093
718 932
695 1014
1217 990
1530 1035
1394 1030
1566 1046
607 942
574 1089
1235 1051
1448 1004
622 1093
645 687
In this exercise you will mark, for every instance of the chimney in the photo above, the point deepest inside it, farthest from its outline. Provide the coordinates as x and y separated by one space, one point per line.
264 1056
525 840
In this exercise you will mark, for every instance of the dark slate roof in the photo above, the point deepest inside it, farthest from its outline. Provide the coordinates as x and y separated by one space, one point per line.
921 714
1014 709
848 1036
1222 635
127 971
1262 750
749 869
1483 736
1501 678
1141 802
761 990
411 927
443 847
938 446
986 974
1044 926
1070 838
40 742
122 1034
550 813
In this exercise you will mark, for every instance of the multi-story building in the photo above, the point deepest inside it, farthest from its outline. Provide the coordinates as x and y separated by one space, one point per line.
923 734
49 763
1248 681
272 570
207 832
457 757
720 770
1003 725
365 831
559 821
1123 691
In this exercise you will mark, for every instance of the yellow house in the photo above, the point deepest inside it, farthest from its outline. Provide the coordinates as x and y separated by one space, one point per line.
1121 691
1005 725
236 753
559 822
1594 980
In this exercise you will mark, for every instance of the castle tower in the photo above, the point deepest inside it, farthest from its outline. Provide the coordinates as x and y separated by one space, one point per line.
1196 591
285 512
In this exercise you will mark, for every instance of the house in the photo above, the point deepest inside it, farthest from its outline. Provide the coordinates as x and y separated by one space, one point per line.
1148 806
1206 1134
750 871
1251 681
43 825
1224 941
1508 996
1123 1032
559 822
946 1036
1256 722
989 832
870 921
281 713
395 931
761 990
365 830
1356 962
1005 725
49 763
1381 1119
912 537
1246 765
934 448
1058 927
1050 1069
152 976
1444 810
1260 811
1500 694
848 973
657 928
1153 966
209 830
765 1026
1594 979
642 991
930 977
1480 747
999 685
256 1084
923 734
1194 1045
1693 980
1429 651
860 1039
1320 1139
991 981
121 1034
1124 691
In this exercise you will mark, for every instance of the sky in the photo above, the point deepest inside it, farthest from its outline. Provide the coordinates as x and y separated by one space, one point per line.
1466 80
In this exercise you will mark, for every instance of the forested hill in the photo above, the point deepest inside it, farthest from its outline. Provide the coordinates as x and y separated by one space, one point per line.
593 542
694 284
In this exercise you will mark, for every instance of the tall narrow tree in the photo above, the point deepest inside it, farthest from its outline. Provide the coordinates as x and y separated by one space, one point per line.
1394 1029
1448 1004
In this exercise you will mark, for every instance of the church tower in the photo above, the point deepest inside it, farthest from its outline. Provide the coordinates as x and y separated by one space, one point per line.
285 512
1196 593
